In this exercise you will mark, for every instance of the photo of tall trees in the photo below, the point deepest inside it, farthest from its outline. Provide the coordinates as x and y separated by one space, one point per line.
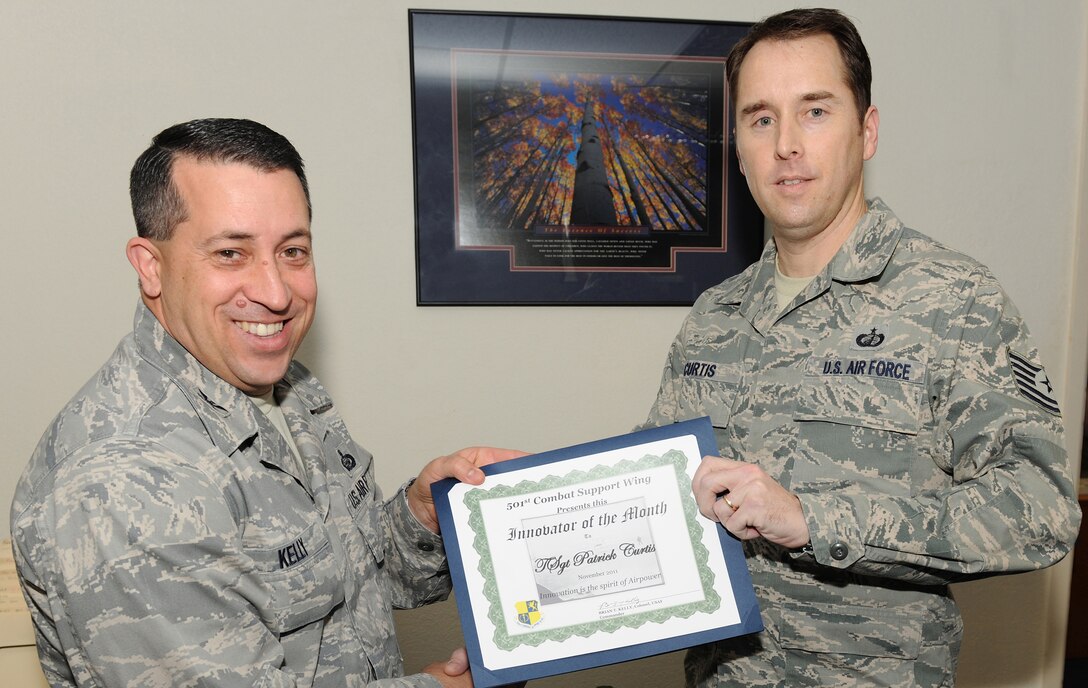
581 147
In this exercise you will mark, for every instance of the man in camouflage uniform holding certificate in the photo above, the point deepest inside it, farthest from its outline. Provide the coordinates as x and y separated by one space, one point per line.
198 514
885 425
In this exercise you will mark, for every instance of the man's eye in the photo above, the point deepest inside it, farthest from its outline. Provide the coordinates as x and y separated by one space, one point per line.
228 254
763 122
295 252
817 112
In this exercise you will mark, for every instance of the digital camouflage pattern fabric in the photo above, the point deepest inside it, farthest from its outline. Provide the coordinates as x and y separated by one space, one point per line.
891 397
164 538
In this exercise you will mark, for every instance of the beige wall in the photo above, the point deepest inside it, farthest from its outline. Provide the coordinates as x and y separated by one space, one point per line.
982 146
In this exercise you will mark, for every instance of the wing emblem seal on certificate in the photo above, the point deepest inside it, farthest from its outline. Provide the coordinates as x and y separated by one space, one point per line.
528 612
602 543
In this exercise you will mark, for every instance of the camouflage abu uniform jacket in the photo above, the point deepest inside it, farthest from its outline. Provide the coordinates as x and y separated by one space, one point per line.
163 540
901 398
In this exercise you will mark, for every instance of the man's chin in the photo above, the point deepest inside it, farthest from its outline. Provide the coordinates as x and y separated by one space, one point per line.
257 385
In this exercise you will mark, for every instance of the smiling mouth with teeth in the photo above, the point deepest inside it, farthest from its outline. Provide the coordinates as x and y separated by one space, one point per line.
260 329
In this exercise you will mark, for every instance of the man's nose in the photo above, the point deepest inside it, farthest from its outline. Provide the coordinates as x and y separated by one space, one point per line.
788 143
267 287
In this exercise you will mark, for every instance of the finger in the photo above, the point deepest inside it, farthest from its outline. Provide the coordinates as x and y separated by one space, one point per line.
712 479
420 497
707 497
709 464
455 465
723 513
464 464
461 467
702 486
721 507
714 471
737 524
482 456
457 664
724 496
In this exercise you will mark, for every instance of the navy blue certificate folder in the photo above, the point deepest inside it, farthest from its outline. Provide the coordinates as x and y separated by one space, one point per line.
620 579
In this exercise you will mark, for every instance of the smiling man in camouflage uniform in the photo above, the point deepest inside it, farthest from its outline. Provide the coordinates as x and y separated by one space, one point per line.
886 427
198 514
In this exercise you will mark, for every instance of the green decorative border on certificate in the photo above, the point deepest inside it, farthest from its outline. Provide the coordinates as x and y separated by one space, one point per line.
503 640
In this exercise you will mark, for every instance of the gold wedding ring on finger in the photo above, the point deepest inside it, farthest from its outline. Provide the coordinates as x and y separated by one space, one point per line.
725 498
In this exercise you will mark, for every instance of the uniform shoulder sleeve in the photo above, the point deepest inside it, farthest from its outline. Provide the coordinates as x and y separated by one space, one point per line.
139 576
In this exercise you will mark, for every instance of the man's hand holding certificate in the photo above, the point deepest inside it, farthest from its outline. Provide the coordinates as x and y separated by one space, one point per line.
592 555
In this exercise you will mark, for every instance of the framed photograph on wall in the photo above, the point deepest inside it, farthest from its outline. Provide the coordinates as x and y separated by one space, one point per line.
574 160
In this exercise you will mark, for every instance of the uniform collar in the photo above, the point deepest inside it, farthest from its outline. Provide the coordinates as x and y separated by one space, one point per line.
306 388
863 256
228 415
867 250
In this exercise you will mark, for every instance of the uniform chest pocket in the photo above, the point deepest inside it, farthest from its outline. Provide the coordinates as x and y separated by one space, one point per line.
299 580
877 394
708 389
856 432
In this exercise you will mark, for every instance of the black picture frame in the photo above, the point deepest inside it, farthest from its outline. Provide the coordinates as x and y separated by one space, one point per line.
574 160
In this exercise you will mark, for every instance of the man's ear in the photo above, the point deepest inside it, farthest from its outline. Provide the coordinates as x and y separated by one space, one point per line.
870 127
146 258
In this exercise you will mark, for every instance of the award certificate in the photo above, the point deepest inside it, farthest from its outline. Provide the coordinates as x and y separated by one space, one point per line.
591 555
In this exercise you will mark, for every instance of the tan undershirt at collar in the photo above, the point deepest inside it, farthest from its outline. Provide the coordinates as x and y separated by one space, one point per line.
787 288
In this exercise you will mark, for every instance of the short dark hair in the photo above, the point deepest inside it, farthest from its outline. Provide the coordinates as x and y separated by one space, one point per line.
157 205
803 23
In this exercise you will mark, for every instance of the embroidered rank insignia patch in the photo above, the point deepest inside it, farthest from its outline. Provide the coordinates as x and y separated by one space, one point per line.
528 612
1033 383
